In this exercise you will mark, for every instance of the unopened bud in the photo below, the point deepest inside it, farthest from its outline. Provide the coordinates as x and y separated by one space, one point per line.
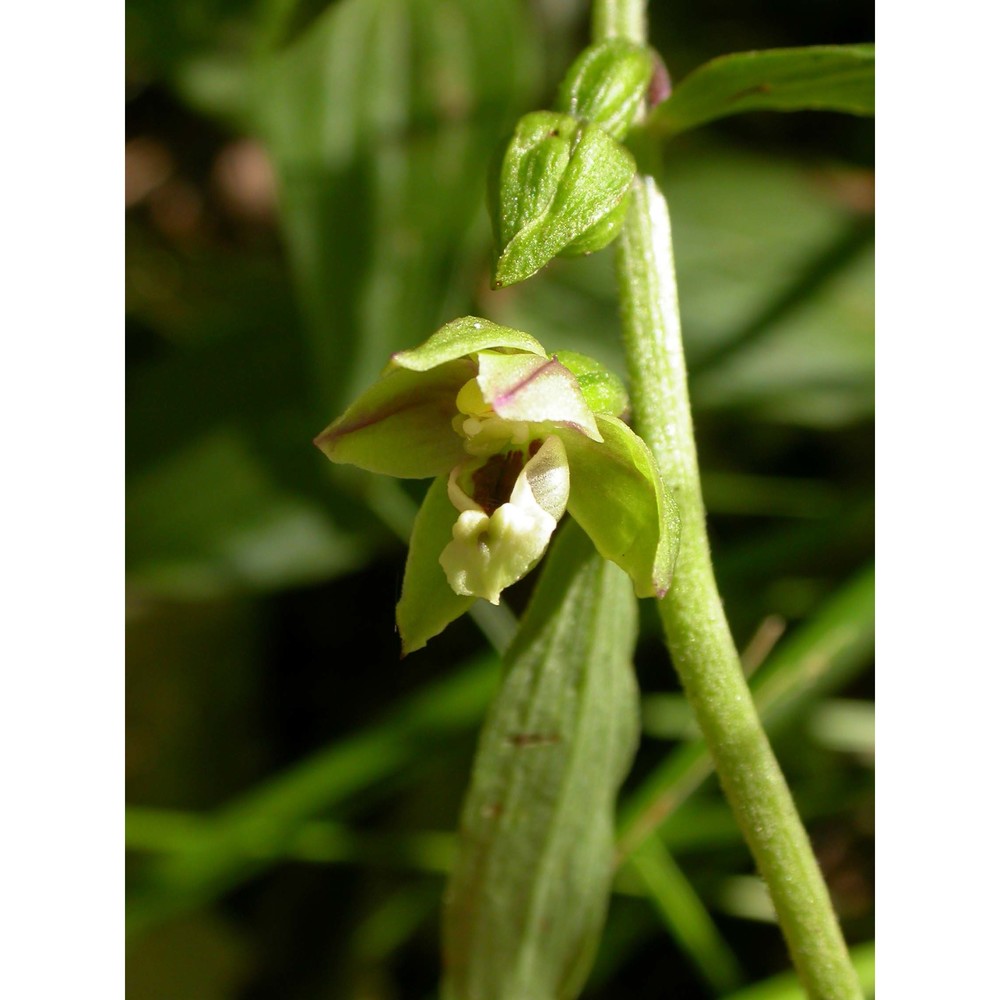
561 189
606 85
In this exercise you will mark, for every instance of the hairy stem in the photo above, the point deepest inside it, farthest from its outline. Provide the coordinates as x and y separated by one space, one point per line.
694 622
697 633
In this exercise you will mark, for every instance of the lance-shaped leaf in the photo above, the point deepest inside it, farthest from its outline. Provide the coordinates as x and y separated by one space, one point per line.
619 500
527 899
606 85
462 338
401 426
428 604
821 77
561 188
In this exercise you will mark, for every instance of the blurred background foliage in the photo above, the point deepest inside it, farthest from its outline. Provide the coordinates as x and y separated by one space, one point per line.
305 194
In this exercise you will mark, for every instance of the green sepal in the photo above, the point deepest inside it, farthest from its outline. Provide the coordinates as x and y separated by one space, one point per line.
522 387
428 604
401 426
619 500
603 390
606 85
561 187
462 338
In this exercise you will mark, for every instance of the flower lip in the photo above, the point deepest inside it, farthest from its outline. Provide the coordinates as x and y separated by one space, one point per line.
504 528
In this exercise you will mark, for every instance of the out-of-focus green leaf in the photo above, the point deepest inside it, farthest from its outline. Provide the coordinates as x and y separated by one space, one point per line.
686 916
224 490
699 824
527 900
214 517
382 932
380 119
815 366
768 496
249 834
846 725
822 78
839 724
165 831
162 38
813 661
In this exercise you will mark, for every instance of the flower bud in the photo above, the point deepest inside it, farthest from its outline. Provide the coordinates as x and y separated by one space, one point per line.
561 189
606 85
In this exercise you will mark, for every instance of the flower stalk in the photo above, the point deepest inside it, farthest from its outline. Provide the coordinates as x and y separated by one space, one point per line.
694 623
698 636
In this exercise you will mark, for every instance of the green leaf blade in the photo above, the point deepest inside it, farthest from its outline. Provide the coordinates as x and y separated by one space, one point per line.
527 900
818 78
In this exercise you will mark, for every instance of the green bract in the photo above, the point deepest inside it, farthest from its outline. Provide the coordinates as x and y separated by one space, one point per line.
606 85
562 188
514 438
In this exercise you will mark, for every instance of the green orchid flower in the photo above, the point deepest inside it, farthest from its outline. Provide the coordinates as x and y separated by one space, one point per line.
514 438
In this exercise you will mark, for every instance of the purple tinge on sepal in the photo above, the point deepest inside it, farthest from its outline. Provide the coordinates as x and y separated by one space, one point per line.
535 390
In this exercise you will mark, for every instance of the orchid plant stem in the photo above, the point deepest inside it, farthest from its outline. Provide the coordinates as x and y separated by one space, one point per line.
694 622
697 633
